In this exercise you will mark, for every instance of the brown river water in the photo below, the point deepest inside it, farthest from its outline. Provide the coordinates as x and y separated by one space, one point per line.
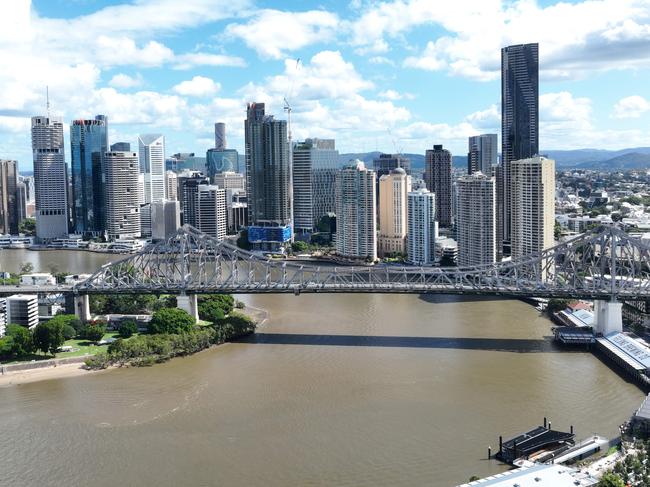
341 390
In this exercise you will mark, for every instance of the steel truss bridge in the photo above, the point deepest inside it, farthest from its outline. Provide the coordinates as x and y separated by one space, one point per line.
604 263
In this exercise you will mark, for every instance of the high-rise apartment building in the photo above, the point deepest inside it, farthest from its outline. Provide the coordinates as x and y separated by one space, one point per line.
171 181
50 178
211 214
152 166
393 221
437 176
22 309
9 205
385 163
88 144
165 219
123 219
476 220
268 180
533 205
21 201
422 227
356 227
315 162
188 187
519 121
482 154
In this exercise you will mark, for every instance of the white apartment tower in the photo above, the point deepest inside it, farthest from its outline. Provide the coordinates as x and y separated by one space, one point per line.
121 171
533 205
211 210
50 178
152 166
171 181
422 227
356 227
393 222
22 309
476 220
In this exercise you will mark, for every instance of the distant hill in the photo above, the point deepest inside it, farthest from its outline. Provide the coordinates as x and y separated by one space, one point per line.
600 159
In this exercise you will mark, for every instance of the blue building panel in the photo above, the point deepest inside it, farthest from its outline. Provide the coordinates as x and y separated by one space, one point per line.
269 234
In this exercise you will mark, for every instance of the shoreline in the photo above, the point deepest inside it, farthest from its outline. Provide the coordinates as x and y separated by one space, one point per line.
66 370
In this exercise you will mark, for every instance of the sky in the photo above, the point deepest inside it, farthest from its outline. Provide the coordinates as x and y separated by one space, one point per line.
392 75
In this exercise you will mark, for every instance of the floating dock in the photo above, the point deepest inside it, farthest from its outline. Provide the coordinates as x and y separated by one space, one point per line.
536 444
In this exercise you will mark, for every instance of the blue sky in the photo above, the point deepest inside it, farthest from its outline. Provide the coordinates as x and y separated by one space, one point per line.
375 75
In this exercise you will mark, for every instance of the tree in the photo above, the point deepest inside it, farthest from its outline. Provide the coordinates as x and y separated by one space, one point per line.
27 227
68 320
26 268
224 301
69 332
93 331
20 341
242 240
299 246
127 329
171 320
555 305
557 230
211 311
611 480
48 336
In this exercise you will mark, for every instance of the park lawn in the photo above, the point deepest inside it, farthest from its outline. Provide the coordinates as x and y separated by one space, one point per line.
85 347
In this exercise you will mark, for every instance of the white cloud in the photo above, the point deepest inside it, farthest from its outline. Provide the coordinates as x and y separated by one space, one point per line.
191 60
395 95
631 107
489 119
272 33
574 37
121 80
197 86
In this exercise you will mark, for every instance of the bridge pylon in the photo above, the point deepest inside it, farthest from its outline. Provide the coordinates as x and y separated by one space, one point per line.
82 307
609 316
189 303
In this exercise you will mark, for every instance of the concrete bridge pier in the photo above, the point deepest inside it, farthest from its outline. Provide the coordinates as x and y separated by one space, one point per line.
609 317
189 303
82 307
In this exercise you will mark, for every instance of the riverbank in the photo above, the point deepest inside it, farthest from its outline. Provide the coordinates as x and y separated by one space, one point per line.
27 372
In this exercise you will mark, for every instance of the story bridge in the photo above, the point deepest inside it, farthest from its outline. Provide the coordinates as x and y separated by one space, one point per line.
603 264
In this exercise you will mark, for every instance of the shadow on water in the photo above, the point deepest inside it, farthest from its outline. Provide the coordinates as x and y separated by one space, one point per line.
489 344
457 298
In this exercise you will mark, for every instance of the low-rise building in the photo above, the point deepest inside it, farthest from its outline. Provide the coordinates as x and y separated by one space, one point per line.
22 309
38 279
537 475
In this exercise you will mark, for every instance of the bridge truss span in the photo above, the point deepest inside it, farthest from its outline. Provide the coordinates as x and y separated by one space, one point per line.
604 263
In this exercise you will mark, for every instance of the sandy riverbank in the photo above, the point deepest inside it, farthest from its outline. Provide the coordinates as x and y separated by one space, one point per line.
63 371
60 371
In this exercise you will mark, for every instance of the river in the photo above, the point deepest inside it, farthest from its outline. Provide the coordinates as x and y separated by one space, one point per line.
333 390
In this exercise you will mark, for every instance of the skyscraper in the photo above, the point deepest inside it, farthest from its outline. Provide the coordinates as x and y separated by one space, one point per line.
221 159
315 162
171 182
393 222
220 136
533 205
268 180
476 220
152 166
422 227
88 144
188 187
482 154
519 120
437 176
385 163
356 227
9 211
165 219
211 214
50 178
123 218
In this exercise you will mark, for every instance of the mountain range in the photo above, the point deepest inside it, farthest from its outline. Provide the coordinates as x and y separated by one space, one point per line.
598 159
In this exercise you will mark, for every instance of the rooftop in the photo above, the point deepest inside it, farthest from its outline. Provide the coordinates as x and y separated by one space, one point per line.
537 475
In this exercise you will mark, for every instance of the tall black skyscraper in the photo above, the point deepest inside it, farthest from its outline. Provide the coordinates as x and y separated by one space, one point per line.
519 120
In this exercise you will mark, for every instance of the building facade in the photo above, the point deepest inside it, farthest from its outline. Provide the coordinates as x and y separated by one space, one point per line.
268 180
211 214
422 227
315 162
218 161
171 182
437 176
88 144
50 178
9 201
356 227
123 220
165 219
519 122
230 180
22 309
476 220
188 187
482 154
152 166
533 205
393 215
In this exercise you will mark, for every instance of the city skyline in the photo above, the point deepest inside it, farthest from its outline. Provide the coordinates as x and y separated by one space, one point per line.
201 64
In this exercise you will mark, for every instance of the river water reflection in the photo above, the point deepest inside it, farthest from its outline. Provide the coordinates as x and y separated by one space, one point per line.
333 390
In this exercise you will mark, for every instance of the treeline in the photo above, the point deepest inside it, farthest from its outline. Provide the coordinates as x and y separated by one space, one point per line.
145 350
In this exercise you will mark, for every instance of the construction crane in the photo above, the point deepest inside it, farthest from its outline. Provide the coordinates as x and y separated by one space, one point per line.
287 105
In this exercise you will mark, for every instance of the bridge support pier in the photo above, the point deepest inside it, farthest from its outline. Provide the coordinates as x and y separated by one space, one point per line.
608 317
82 307
189 303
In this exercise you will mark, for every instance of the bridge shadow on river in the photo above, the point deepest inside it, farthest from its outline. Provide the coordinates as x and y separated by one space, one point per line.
514 345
